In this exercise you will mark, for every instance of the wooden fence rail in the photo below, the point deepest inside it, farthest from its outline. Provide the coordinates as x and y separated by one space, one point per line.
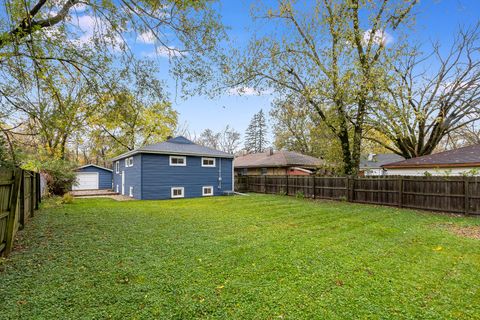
19 198
446 194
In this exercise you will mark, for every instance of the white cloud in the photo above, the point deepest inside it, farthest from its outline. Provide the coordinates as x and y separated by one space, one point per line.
168 52
247 91
147 37
380 37
91 27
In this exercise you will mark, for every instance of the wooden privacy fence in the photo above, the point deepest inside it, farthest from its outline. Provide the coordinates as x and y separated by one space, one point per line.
19 198
447 194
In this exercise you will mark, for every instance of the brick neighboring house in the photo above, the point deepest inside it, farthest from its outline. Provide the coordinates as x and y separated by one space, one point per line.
457 162
276 163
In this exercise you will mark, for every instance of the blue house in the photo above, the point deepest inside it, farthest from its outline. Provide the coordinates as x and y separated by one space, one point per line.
92 177
176 168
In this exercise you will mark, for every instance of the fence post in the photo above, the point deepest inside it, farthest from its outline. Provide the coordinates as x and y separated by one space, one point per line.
38 190
349 193
467 195
33 192
264 184
314 188
287 185
14 196
21 207
400 192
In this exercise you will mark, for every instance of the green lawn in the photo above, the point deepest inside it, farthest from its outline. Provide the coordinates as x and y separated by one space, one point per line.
256 257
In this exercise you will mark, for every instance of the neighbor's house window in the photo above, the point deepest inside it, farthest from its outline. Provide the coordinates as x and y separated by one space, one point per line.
178 192
264 171
130 192
243 171
117 167
208 162
129 162
178 161
207 191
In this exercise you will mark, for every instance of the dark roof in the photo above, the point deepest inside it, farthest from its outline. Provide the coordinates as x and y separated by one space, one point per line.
277 159
461 157
93 165
178 146
378 160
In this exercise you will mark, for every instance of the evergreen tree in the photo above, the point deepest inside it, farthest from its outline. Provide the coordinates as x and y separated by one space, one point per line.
256 134
251 135
261 131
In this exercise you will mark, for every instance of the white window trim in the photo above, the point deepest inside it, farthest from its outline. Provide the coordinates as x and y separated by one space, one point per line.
128 162
209 165
207 194
176 188
117 188
178 164
130 191
117 167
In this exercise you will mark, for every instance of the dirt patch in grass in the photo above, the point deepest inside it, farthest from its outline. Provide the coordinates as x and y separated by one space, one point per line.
472 232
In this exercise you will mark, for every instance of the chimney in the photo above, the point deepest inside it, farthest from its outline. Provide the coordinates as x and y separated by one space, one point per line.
270 151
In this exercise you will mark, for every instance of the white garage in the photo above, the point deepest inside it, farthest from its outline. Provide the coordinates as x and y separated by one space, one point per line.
86 181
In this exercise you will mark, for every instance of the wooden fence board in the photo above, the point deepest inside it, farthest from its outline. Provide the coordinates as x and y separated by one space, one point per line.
446 194
18 199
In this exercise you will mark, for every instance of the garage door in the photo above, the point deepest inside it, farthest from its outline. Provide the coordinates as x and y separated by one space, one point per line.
86 181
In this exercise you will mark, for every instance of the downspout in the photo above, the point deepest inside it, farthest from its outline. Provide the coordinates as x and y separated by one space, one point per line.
220 173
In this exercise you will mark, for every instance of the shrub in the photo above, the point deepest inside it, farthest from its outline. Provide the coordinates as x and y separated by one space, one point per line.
67 198
59 174
299 195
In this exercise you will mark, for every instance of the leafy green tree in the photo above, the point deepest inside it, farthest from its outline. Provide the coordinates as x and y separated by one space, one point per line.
329 52
131 123
46 46
296 128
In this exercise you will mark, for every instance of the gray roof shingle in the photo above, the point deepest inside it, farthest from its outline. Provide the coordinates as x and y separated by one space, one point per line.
179 146
277 159
461 157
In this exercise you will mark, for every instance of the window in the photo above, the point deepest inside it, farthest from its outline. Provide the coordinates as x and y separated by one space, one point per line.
177 192
243 172
130 191
207 191
208 162
117 167
178 161
264 171
129 162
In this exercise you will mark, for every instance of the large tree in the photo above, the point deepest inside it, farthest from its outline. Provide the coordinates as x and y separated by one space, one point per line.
226 140
82 41
430 96
331 54
296 128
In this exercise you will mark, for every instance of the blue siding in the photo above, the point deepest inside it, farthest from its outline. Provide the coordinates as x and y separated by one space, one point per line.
158 177
104 176
132 177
